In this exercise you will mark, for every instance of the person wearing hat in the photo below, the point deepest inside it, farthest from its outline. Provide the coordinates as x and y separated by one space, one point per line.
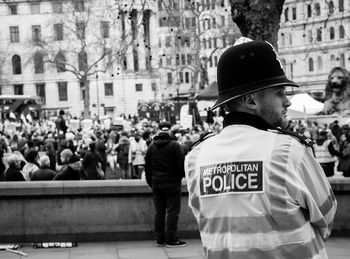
255 189
71 169
164 170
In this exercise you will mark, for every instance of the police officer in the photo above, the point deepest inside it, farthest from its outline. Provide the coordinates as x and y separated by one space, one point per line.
255 190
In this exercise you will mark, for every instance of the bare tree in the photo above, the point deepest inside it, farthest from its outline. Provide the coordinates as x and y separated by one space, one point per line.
89 39
200 30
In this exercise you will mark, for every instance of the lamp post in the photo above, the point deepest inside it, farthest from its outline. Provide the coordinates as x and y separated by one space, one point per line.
98 97
177 85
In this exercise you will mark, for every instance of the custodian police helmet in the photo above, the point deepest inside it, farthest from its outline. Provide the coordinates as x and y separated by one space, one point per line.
248 67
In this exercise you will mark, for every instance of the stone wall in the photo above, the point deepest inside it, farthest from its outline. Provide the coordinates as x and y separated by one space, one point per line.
102 210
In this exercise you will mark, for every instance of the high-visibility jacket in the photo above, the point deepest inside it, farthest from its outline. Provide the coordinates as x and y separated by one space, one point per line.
322 153
259 194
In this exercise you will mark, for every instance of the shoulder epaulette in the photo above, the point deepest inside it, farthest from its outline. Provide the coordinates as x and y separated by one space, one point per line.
204 137
303 139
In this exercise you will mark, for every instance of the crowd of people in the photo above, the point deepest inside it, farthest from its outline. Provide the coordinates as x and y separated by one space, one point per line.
53 150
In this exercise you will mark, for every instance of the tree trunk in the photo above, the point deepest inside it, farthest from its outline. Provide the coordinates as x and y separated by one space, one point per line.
87 99
258 19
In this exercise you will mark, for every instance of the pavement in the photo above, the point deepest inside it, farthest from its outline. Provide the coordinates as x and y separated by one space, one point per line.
337 248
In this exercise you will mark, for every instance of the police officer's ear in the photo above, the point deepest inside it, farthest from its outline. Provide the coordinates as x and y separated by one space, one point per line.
249 100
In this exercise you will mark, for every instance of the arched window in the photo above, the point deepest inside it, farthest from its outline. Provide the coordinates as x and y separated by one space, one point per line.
341 5
341 32
331 7
311 64
286 14
83 61
319 35
331 33
319 64
209 43
342 60
60 61
318 9
332 58
16 65
38 63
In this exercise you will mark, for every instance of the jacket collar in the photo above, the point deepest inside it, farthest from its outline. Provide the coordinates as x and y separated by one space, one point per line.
234 118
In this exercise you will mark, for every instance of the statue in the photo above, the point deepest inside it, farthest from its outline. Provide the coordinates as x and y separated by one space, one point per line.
337 99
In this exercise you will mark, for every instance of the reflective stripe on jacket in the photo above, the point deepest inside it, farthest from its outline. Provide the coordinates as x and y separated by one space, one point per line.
322 153
259 194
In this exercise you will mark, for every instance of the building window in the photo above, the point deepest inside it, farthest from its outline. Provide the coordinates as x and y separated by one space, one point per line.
108 89
167 41
341 5
341 32
223 18
169 61
38 63
13 9
57 7
331 33
214 23
309 10
16 65
223 41
35 8
318 9
58 31
331 7
210 61
181 77
136 59
14 34
183 59
36 33
80 29
286 17
189 59
177 60
204 43
105 29
187 77
138 87
18 89
215 43
83 60
319 64
342 60
209 43
311 65
294 13
60 61
169 78
62 91
79 5
319 34
40 90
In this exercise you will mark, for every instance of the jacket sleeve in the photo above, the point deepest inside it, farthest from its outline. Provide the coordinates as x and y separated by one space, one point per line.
148 167
315 194
180 158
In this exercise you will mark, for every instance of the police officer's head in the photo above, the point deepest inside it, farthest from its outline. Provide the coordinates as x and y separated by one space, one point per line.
251 79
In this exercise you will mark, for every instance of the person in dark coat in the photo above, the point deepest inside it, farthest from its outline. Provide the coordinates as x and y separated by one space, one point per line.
44 173
123 156
164 170
71 169
13 172
92 160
